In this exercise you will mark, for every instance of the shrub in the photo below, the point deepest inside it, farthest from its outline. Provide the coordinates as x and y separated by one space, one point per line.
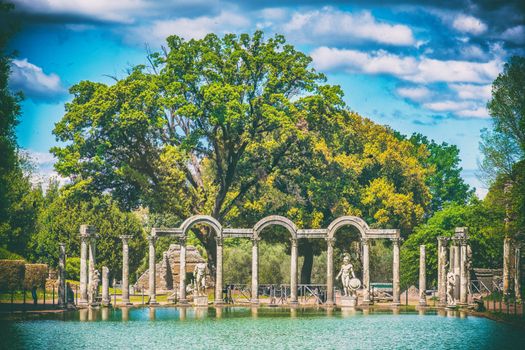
35 275
73 269
11 274
7 255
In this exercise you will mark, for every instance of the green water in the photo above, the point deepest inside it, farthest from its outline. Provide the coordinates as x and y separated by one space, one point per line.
263 328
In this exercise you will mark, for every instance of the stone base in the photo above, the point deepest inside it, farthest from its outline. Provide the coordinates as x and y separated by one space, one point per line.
348 301
200 300
183 302
254 301
94 305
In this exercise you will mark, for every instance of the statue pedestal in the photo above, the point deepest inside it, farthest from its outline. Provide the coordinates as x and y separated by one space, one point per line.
200 300
348 301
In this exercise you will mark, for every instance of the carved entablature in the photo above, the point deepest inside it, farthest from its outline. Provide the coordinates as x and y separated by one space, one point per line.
312 233
237 233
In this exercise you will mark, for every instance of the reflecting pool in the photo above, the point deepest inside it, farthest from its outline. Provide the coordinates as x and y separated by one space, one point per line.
256 328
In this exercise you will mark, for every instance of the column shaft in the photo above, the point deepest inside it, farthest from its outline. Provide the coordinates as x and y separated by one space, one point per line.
83 270
422 276
330 271
125 269
218 273
105 286
182 272
506 265
152 290
62 298
366 272
293 273
395 272
92 257
442 272
463 286
255 271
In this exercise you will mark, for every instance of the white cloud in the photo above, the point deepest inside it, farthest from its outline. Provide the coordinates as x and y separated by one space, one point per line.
417 93
515 34
467 109
188 28
418 70
472 91
469 24
43 168
334 26
34 82
122 11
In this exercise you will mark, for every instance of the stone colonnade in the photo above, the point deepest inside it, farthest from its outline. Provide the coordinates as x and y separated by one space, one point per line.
456 263
296 234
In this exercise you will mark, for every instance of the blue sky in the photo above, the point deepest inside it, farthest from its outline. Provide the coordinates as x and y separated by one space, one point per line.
416 66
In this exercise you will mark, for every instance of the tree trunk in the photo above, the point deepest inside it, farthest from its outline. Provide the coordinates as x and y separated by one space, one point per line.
306 270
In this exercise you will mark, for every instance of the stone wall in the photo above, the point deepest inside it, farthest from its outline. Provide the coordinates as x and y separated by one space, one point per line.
167 269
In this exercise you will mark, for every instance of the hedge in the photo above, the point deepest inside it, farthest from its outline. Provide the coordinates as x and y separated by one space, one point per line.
7 255
35 276
12 274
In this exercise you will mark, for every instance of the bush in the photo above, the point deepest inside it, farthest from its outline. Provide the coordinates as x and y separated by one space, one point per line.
73 269
11 274
35 275
7 255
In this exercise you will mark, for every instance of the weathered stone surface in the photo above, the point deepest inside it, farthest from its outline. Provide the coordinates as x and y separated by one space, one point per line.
167 270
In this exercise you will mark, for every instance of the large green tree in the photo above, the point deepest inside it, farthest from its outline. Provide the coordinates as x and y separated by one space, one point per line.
445 182
208 119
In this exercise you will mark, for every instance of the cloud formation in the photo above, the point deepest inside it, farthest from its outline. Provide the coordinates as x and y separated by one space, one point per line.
334 26
34 82
469 24
414 69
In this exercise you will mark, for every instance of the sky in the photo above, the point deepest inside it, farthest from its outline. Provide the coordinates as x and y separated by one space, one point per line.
416 66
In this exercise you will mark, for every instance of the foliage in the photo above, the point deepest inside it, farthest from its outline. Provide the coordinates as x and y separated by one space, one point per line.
73 269
445 182
11 274
60 220
7 255
35 275
485 229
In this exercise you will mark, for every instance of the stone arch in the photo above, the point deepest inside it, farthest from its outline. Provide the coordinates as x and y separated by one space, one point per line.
275 220
198 219
355 221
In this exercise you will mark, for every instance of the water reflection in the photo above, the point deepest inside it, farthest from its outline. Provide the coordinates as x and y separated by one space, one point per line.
254 312
125 313
105 313
348 311
82 315
182 314
218 312
152 314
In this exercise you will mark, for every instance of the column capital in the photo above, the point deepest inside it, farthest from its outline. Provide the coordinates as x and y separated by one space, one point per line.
87 230
443 240
125 238
219 240
365 240
396 240
255 240
183 240
152 239
294 241
330 241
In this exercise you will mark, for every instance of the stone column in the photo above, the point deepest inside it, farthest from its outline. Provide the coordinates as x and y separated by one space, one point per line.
255 271
152 290
456 266
422 276
517 272
366 272
125 269
293 273
62 297
395 272
218 272
506 265
106 300
442 272
92 256
84 238
182 271
463 284
330 270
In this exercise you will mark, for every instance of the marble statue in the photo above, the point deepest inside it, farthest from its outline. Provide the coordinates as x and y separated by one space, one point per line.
451 284
347 274
93 287
199 274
